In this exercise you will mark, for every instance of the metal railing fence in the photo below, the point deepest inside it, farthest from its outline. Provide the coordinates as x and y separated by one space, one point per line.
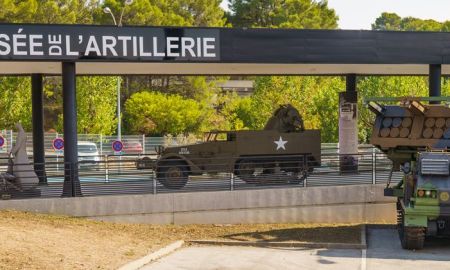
114 174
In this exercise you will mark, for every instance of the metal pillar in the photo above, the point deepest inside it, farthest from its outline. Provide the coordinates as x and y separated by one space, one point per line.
434 82
37 108
350 83
348 126
71 181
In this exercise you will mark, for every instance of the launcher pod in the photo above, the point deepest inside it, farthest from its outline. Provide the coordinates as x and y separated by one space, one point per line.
416 137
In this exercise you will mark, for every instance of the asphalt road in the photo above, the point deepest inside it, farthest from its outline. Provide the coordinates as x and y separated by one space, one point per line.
384 253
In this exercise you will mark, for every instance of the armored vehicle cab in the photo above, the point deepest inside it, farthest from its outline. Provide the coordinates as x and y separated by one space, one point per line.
416 137
283 152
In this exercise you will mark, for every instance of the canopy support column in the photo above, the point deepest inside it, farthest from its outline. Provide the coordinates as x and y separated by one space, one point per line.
37 98
71 181
434 82
348 126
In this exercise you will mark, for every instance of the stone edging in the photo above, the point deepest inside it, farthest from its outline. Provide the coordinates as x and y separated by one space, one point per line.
134 265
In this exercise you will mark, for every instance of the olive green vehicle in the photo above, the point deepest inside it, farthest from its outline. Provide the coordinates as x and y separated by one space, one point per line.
283 152
416 137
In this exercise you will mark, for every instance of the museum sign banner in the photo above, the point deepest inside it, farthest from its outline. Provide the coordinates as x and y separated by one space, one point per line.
95 43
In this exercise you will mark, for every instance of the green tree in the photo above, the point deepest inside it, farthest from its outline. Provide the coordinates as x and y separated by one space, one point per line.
167 13
306 14
15 103
387 21
316 98
163 12
47 11
96 112
391 21
154 113
96 104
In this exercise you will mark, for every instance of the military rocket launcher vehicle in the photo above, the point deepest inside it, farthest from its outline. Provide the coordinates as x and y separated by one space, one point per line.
284 152
416 137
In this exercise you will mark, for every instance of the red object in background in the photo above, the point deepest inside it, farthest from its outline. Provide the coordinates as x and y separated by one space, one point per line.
132 148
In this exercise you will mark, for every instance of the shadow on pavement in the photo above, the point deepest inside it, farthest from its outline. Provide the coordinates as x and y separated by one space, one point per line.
383 243
339 234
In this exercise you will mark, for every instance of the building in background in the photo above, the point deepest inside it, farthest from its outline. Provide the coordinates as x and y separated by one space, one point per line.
243 88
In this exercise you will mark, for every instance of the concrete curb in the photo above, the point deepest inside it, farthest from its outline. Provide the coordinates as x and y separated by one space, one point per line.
364 236
134 265
361 245
279 244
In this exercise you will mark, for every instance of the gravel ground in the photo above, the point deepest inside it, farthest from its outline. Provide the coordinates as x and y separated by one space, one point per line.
37 241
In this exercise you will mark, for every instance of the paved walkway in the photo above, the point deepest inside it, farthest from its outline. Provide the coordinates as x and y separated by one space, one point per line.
384 253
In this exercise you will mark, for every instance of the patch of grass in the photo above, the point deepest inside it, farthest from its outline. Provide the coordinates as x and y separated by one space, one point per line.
38 241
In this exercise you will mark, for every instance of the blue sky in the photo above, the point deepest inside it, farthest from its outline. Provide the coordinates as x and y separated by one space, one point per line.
360 14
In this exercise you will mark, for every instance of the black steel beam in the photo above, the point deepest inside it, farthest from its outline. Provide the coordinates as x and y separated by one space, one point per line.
434 82
37 97
71 181
350 83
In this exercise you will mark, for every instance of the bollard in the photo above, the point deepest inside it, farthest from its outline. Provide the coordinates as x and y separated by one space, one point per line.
101 144
143 144
232 181
154 182
374 160
106 169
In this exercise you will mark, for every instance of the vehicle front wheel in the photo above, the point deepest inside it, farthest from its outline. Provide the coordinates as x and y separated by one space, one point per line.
172 174
411 238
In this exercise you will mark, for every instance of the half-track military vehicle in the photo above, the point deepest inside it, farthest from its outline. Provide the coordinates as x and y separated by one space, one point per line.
284 151
416 137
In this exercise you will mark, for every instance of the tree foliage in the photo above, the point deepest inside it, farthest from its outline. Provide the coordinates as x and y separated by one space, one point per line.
15 103
316 98
391 21
154 113
96 98
47 11
282 14
163 12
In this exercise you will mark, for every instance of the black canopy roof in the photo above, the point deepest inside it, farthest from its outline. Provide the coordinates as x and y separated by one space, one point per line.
29 48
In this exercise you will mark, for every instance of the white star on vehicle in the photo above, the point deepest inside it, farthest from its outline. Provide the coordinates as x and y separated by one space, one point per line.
280 143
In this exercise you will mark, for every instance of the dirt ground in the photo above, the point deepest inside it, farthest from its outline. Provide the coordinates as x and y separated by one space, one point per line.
37 241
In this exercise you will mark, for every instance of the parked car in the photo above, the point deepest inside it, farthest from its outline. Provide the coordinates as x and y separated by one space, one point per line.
132 147
88 154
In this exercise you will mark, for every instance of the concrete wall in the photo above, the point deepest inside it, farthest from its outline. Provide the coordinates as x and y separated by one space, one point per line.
343 204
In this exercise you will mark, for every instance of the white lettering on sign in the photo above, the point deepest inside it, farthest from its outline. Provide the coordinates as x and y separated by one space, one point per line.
92 47
184 151
187 44
55 42
155 48
124 40
208 44
68 51
172 46
36 45
141 48
5 48
19 42
108 45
